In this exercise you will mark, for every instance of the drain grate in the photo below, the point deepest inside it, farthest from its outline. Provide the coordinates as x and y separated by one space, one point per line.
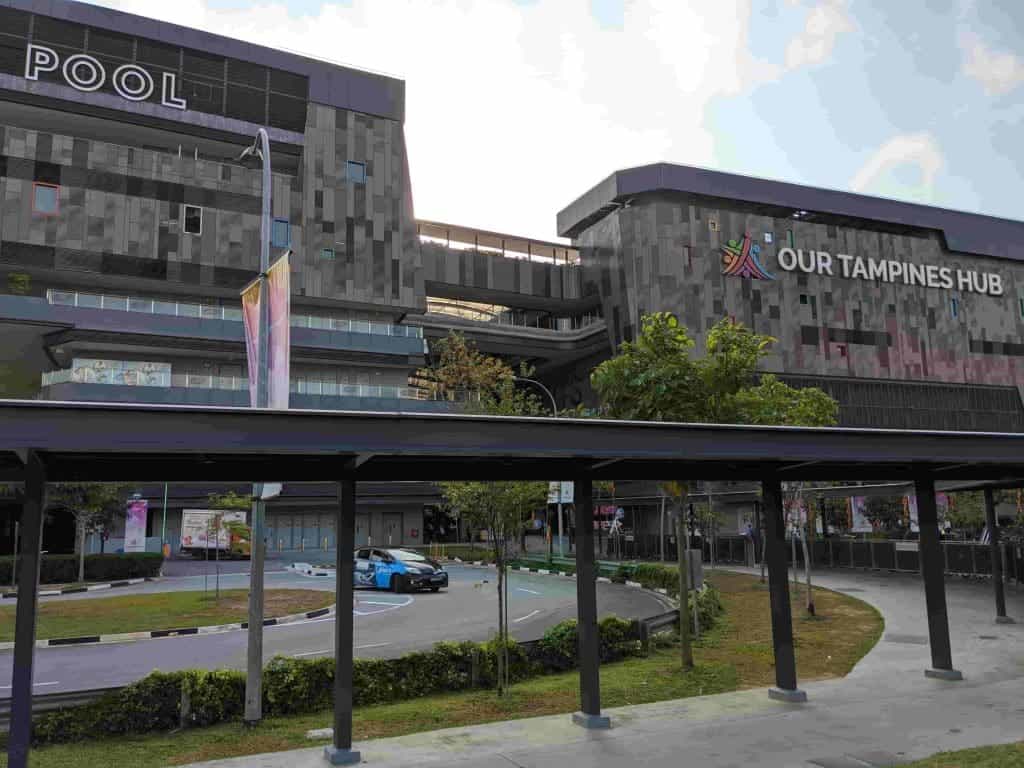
906 639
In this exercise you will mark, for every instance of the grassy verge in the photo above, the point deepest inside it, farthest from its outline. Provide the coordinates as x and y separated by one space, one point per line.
160 610
1002 756
736 654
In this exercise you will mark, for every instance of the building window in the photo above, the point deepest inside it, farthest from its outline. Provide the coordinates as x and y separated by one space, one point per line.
954 307
803 298
769 237
713 225
45 199
192 220
1021 303
355 172
327 254
280 233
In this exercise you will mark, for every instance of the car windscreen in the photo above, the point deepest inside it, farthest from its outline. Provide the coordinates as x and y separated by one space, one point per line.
405 554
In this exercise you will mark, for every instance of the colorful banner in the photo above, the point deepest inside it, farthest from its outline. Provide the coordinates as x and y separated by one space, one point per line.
278 282
859 522
135 526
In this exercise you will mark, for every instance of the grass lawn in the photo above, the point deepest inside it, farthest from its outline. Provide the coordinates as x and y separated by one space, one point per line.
1003 756
736 654
160 610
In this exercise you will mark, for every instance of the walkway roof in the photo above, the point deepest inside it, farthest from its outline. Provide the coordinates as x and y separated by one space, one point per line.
157 443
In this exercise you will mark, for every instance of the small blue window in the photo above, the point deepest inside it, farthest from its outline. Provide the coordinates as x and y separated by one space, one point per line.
280 233
1021 302
954 307
355 172
327 254
45 199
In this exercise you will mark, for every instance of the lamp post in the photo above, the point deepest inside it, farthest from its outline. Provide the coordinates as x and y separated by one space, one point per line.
260 148
554 413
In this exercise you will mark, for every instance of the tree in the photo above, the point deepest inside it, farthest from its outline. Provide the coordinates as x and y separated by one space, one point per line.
657 378
802 524
96 507
487 385
220 503
966 511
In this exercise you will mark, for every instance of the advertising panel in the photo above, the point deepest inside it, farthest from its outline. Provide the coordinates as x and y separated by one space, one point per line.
279 342
135 526
198 528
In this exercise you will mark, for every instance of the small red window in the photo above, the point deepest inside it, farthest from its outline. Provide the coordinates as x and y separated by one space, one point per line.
45 199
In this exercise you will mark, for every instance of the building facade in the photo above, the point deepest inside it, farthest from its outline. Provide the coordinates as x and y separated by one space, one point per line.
128 227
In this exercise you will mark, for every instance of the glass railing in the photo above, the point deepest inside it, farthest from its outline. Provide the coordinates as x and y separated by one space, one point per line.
204 311
501 315
459 238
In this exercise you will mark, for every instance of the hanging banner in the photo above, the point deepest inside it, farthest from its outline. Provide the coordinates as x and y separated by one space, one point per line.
135 526
278 282
859 522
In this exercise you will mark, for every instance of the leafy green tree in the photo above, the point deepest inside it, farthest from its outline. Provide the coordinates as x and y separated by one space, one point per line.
220 503
658 377
486 384
966 511
885 513
96 507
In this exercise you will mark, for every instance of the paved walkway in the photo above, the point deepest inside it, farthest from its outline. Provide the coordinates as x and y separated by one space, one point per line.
884 712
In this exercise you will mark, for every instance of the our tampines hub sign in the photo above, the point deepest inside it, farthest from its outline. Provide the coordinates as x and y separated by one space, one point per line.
742 258
87 73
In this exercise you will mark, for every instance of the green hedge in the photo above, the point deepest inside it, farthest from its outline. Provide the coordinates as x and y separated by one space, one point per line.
293 686
63 569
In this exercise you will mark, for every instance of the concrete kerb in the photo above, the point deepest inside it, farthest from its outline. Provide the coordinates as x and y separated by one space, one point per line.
152 634
85 588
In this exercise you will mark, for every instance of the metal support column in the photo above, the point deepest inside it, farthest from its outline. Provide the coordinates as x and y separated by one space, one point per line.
933 570
586 606
778 586
19 738
340 751
995 555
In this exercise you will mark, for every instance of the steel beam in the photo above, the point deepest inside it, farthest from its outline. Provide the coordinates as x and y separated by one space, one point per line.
586 606
933 571
340 751
19 738
995 555
778 586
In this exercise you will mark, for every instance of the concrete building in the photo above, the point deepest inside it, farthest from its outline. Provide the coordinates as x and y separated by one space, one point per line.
128 227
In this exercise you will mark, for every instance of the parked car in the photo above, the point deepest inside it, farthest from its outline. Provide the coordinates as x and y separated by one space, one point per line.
400 570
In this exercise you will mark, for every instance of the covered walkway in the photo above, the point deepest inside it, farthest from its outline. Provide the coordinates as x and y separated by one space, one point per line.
43 442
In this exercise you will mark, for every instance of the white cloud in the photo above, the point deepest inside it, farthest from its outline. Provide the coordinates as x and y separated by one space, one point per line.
914 149
513 111
998 72
825 22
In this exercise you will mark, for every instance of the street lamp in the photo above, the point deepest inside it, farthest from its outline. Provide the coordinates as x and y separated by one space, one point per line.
258 150
554 408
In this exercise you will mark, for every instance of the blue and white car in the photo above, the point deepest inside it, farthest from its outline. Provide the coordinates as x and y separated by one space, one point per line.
400 570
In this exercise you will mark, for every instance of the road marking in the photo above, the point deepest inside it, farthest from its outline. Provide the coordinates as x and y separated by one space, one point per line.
371 645
524 589
35 685
524 618
312 653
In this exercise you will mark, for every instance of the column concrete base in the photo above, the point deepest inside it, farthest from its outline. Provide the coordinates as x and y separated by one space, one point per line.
591 721
1004 620
790 697
944 674
335 756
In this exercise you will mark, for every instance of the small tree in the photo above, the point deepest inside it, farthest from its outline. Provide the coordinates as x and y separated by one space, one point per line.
220 503
885 513
966 511
96 507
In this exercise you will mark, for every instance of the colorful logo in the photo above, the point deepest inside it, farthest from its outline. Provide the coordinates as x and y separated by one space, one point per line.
740 258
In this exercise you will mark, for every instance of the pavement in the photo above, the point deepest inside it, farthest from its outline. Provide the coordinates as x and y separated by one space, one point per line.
885 712
386 625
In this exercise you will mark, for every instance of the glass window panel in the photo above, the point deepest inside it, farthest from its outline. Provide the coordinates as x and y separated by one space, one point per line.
330 388
45 199
355 172
188 310
116 302
140 305
212 312
322 323
280 236
67 298
233 313
339 323
193 220
91 300
165 307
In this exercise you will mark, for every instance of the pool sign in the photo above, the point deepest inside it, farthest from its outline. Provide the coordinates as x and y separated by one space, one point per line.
86 73
890 271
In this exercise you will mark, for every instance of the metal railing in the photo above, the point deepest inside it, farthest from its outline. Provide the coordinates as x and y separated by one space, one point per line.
48 701
202 311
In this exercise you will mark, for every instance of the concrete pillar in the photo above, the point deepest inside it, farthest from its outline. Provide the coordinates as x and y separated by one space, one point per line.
19 737
995 555
778 585
933 570
586 606
340 751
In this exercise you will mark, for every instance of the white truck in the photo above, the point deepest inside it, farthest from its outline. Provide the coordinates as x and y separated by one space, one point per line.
200 533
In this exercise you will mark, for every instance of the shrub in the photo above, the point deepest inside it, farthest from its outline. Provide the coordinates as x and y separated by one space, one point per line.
63 569
293 685
213 697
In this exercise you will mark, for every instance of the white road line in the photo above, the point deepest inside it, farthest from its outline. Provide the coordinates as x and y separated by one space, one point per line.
524 618
35 685
371 645
524 589
312 653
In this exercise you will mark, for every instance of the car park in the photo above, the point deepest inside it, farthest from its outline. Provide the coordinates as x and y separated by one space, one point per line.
400 570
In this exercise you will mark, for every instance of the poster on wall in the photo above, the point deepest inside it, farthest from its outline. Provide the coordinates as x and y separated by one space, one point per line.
941 508
135 526
859 522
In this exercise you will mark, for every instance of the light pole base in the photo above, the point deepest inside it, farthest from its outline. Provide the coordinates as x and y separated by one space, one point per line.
1004 620
335 756
944 674
584 720
796 696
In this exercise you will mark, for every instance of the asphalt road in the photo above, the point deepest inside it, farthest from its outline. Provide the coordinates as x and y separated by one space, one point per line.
386 625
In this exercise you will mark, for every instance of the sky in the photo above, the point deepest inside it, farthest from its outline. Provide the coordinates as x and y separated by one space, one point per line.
514 108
